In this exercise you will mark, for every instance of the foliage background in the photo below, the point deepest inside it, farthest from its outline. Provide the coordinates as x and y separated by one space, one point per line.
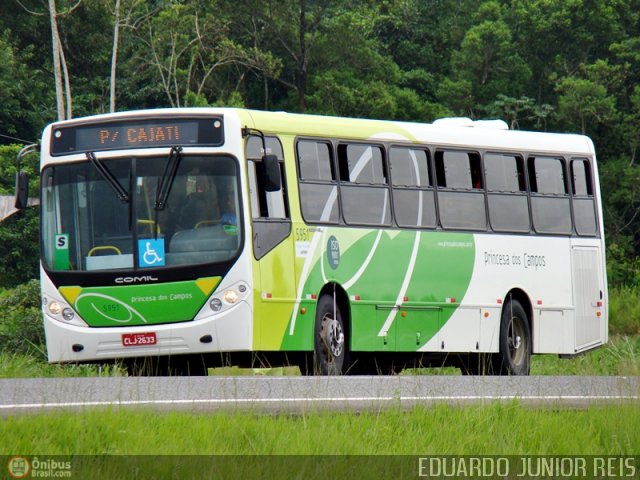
571 66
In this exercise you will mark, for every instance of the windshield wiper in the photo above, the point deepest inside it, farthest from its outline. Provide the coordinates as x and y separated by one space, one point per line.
121 193
165 183
168 176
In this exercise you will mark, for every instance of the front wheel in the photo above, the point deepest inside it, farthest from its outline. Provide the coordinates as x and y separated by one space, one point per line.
329 344
515 340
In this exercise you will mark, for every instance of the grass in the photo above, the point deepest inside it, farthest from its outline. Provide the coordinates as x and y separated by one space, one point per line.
621 356
149 444
495 429
28 366
624 310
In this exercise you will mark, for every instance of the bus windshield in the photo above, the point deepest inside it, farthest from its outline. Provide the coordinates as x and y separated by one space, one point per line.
87 226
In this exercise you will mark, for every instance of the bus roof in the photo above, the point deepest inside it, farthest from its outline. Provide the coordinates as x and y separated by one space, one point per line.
450 132
447 132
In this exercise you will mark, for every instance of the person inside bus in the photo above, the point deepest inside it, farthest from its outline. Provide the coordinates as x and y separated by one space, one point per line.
476 178
201 207
228 216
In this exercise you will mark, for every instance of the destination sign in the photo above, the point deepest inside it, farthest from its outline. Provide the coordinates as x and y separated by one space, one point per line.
137 133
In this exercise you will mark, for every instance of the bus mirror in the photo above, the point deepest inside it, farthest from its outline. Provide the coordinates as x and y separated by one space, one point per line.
272 173
22 190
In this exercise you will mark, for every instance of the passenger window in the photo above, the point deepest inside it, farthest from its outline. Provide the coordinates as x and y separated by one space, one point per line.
458 170
314 160
581 178
318 186
413 195
462 207
504 173
507 198
550 204
361 164
546 176
363 185
409 167
584 209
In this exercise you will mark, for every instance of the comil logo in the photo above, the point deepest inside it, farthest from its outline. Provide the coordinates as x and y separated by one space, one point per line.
19 467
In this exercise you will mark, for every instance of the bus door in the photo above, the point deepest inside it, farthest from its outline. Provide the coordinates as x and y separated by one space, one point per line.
588 292
273 253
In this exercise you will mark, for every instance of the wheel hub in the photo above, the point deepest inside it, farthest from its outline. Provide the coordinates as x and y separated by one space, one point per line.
332 336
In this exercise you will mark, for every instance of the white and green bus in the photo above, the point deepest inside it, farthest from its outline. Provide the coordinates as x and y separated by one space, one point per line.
200 237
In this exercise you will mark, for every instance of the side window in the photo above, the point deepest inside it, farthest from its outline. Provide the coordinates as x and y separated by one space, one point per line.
506 193
581 178
363 184
547 176
504 173
584 211
361 163
314 160
550 207
413 193
460 190
409 167
318 185
458 170
269 209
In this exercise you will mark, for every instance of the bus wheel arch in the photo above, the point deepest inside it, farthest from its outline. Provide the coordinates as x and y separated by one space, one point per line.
332 331
516 335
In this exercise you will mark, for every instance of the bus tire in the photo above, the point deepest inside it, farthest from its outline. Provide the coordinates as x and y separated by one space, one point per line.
330 339
515 340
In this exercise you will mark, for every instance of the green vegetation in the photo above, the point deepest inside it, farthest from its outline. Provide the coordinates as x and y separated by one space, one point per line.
19 247
497 429
621 356
556 66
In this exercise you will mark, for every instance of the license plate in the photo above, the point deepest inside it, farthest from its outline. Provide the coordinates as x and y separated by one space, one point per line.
138 339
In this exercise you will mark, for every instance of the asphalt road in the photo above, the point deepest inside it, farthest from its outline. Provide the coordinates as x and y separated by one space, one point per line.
304 394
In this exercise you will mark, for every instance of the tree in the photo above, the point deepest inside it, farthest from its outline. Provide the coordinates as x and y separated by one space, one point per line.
130 19
19 250
516 110
114 58
296 26
582 100
188 47
487 63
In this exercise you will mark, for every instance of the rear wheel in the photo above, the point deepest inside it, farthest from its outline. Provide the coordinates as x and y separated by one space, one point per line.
515 340
329 343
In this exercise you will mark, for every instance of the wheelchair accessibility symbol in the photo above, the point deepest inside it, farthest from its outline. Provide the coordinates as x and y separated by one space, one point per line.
151 252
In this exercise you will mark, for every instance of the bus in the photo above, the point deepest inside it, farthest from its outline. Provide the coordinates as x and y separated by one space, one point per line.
191 238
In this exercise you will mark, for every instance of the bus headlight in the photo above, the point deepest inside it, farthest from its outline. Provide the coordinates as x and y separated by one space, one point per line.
59 310
215 304
55 308
229 297
68 314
